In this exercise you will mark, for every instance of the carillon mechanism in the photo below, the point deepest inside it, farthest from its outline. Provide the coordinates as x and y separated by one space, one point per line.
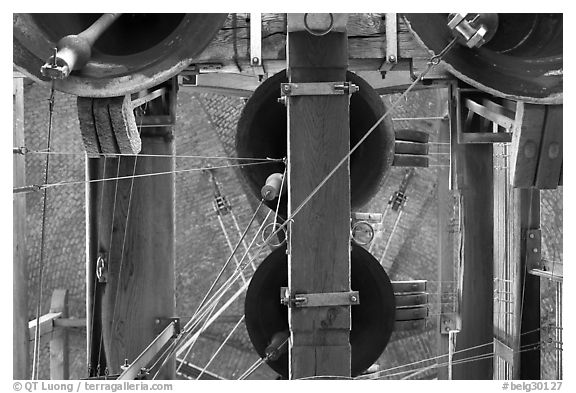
373 309
313 143
261 133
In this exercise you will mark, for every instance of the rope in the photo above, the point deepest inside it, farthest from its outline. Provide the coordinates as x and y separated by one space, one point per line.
367 376
66 183
36 354
25 150
221 346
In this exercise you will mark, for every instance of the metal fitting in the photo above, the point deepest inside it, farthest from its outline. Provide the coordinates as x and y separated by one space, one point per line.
473 37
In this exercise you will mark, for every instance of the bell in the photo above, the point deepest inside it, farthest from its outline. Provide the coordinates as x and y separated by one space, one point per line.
372 319
134 52
520 60
262 133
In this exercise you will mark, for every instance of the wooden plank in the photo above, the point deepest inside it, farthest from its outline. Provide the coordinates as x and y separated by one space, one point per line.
411 300
529 318
475 184
417 324
104 126
485 112
485 137
550 162
445 234
319 254
140 283
45 323
59 349
526 138
413 286
88 125
19 265
121 112
411 313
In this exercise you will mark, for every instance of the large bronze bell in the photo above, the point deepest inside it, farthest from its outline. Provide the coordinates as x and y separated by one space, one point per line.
521 60
262 133
372 320
136 52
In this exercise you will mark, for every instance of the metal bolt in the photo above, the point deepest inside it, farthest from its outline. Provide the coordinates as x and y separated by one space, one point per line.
392 59
157 321
531 236
286 87
255 60
535 250
353 298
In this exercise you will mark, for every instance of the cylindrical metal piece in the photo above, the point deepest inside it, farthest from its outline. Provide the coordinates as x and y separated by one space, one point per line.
271 189
74 51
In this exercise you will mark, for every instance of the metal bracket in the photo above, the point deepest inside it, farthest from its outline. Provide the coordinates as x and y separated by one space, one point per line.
326 299
473 36
101 269
162 323
533 249
318 88
391 38
256 43
450 322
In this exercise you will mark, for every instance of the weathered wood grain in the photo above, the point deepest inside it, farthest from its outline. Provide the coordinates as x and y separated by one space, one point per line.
319 248
19 266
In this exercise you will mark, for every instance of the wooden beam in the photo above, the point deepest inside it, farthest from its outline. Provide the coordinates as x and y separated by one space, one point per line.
19 267
550 161
229 51
446 242
475 183
526 140
59 349
45 324
529 311
319 247
131 229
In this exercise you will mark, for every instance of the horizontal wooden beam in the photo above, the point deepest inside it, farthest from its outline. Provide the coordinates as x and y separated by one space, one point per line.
45 323
229 51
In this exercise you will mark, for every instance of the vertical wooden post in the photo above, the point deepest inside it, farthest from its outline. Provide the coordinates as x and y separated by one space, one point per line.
59 350
475 182
319 247
446 271
20 271
529 288
132 231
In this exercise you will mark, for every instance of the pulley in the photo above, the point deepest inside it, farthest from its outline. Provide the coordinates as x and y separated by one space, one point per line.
262 133
126 53
521 57
372 319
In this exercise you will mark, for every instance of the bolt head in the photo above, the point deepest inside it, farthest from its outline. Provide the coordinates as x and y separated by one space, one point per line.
534 250
531 236
353 298
392 59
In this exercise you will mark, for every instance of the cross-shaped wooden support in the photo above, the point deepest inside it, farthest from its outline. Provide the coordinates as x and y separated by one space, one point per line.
319 247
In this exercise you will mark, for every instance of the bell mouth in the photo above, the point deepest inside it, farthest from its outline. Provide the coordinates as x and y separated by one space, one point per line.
136 52
522 61
129 35
262 133
373 318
